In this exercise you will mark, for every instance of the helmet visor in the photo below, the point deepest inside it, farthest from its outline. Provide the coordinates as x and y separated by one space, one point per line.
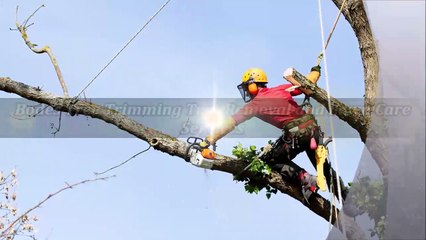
244 92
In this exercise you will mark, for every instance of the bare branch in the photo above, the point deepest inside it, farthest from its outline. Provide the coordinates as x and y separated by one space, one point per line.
22 28
57 129
11 225
32 15
29 26
16 13
121 164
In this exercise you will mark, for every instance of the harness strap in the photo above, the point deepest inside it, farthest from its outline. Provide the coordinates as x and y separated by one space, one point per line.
306 124
299 123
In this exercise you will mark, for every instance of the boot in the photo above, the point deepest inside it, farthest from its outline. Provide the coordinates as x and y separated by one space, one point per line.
309 184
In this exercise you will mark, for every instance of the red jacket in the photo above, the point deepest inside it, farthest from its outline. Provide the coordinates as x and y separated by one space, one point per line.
275 106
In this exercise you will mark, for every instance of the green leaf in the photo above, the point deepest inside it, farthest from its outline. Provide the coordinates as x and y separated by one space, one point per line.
257 167
268 195
268 169
250 188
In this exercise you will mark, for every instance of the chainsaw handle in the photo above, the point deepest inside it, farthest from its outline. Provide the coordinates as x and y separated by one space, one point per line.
198 141
195 140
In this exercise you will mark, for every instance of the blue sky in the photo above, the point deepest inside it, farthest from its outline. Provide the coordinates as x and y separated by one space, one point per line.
191 48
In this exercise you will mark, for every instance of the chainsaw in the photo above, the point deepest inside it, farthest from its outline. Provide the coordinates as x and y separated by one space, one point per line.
199 154
321 153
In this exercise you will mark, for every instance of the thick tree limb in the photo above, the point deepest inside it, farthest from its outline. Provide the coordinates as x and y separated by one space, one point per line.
355 13
353 116
158 140
162 142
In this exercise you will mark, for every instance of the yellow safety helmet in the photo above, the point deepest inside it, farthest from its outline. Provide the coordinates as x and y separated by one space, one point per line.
248 88
255 74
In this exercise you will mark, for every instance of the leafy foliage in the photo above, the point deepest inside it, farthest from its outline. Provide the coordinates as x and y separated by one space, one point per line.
368 196
256 166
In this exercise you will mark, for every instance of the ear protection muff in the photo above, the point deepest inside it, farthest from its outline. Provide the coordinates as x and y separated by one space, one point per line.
252 88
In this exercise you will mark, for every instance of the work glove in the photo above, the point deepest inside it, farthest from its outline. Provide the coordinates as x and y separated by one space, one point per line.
315 74
309 184
205 143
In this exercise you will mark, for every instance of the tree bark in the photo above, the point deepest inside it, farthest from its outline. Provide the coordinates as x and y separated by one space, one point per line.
353 116
355 13
167 144
158 140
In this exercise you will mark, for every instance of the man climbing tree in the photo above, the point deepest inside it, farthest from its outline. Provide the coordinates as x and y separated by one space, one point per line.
360 121
277 107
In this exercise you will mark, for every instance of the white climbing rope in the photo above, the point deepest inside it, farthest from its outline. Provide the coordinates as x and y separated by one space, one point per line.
324 56
124 47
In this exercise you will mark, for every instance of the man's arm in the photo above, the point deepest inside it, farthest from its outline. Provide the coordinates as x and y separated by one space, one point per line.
293 91
226 128
245 113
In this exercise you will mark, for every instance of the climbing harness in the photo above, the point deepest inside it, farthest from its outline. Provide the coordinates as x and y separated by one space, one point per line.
320 147
321 150
307 105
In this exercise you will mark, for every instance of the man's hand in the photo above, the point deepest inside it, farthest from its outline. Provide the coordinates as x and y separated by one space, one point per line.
205 143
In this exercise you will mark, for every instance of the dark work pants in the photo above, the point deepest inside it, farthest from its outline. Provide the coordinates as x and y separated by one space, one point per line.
286 151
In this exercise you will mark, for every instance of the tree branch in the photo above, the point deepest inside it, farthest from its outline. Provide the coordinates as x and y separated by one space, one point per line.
353 116
161 141
355 13
22 28
68 186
